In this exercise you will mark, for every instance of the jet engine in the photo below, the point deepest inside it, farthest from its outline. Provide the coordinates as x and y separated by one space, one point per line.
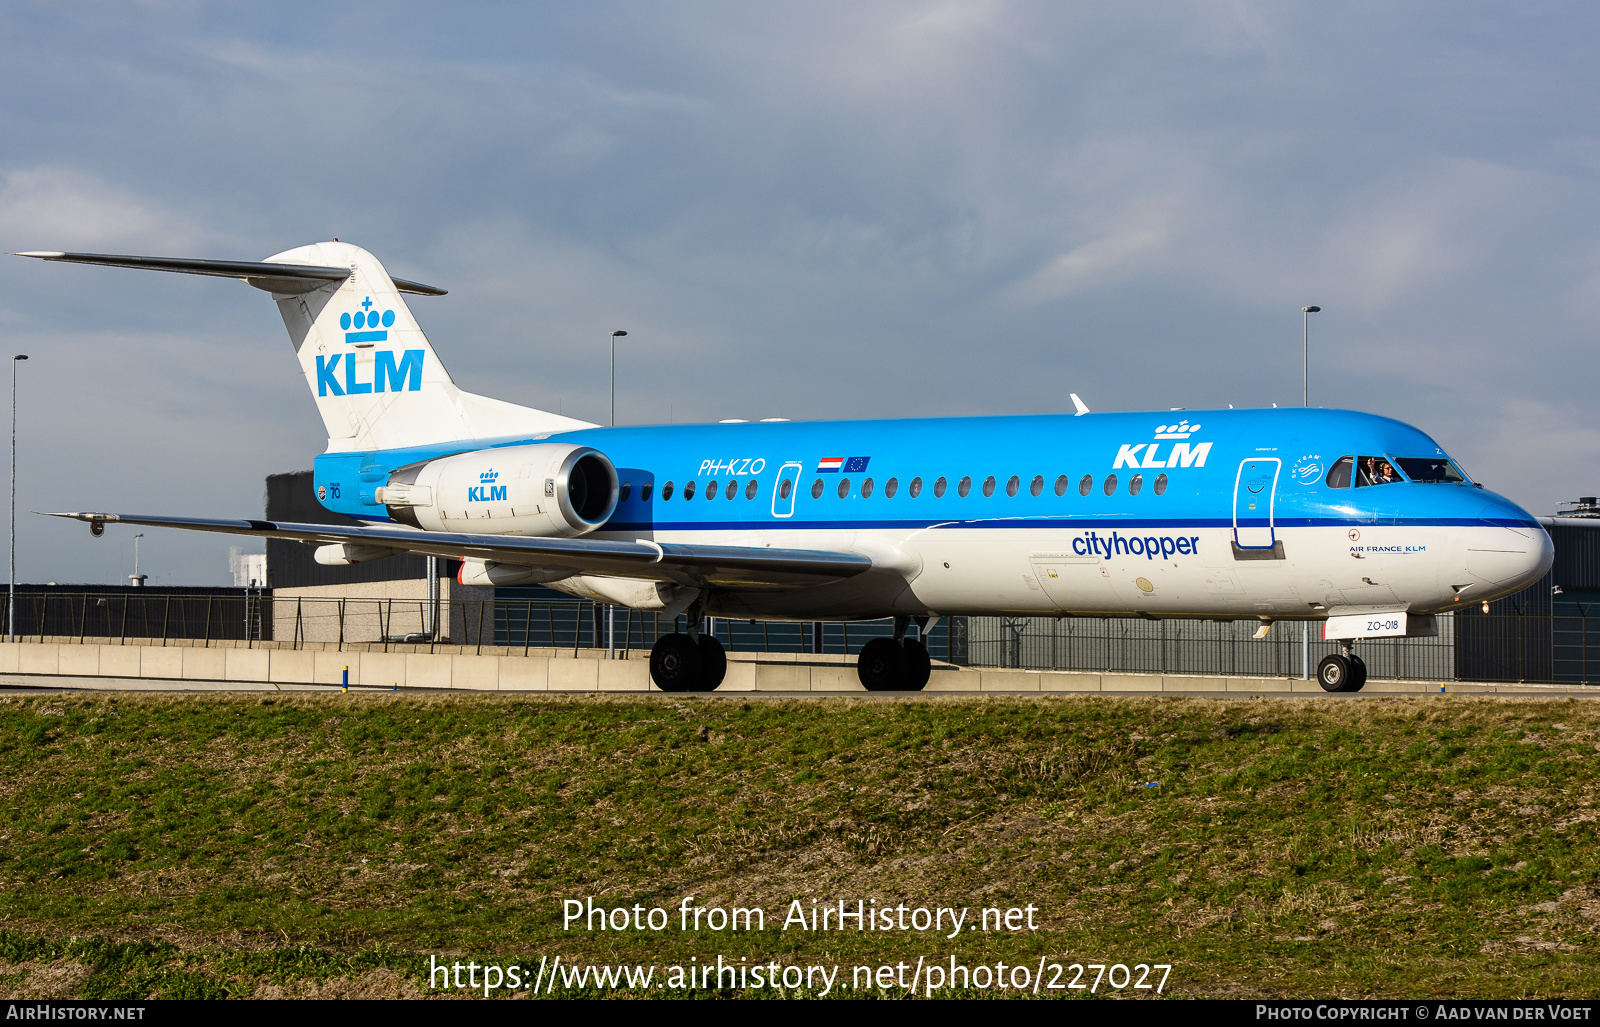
541 490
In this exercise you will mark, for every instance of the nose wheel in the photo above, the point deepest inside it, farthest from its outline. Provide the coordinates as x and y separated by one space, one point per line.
1345 672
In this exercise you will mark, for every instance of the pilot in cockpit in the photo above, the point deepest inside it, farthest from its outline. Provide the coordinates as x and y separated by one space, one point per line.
1375 470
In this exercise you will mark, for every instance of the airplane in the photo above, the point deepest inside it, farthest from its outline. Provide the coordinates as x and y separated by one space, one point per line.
1356 521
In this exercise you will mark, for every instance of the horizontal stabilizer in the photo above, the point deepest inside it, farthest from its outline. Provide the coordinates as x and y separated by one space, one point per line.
728 567
278 278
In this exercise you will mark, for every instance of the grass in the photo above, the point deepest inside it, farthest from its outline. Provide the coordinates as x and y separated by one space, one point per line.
328 845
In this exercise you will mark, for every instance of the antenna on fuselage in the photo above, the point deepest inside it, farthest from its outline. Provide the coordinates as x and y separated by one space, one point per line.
1079 404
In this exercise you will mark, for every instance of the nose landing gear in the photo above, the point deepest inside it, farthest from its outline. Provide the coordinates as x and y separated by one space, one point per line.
1345 672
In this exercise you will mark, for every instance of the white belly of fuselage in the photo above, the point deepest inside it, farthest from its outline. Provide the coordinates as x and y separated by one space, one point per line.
956 570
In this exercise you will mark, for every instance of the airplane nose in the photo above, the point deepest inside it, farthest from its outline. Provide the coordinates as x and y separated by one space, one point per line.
1514 556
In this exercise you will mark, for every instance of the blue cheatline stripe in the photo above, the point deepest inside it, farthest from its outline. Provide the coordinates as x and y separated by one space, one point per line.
379 336
1061 523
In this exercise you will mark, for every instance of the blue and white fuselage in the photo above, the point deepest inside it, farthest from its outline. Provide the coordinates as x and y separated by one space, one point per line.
1102 513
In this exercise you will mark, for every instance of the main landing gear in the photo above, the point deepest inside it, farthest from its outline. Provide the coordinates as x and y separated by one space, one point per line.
688 661
897 664
1346 672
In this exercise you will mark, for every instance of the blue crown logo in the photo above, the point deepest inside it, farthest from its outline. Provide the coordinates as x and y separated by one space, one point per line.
488 477
368 319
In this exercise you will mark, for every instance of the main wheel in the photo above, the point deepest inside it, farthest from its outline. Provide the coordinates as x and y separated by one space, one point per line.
1358 674
918 665
1333 674
713 664
675 663
882 666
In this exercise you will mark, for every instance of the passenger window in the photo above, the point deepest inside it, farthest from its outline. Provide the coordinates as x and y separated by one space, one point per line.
1375 470
750 489
1037 488
733 489
889 488
1012 485
965 486
1086 485
866 488
816 489
1161 484
711 490
666 492
1339 473
644 492
1135 484
938 488
688 490
916 487
622 493
785 487
1061 485
1111 485
988 486
844 487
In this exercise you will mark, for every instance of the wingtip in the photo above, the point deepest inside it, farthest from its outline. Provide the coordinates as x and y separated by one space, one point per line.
43 254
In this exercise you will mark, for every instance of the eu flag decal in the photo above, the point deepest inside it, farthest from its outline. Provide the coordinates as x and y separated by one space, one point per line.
856 464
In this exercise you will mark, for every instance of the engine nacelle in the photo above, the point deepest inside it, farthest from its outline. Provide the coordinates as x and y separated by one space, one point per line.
542 490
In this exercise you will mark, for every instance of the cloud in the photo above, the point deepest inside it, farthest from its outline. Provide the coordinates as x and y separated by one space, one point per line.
69 208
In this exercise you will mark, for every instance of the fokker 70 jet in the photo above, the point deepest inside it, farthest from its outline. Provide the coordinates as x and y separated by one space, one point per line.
1359 522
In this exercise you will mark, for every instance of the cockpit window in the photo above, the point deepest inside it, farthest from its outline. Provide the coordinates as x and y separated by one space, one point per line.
1375 470
1339 473
1430 468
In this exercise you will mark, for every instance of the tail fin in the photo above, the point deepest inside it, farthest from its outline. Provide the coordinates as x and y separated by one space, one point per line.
377 382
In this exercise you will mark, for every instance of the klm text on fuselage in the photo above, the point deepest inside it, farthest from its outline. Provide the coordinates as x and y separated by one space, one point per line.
387 376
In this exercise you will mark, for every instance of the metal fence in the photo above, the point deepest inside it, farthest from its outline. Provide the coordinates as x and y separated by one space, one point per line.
1127 645
231 614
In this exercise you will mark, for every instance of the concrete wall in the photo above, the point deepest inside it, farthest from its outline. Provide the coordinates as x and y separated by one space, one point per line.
276 665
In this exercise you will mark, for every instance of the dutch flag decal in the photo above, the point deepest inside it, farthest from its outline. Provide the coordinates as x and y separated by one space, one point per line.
829 463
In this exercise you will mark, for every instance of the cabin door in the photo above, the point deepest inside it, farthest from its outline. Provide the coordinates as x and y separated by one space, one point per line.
1254 494
783 488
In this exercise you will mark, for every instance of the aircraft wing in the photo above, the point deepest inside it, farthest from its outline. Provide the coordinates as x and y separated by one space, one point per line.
728 567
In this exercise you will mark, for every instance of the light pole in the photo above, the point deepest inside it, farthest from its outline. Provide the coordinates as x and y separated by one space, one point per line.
136 579
614 375
1305 627
11 596
1307 312
611 611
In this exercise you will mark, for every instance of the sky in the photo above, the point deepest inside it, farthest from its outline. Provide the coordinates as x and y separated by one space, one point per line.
807 210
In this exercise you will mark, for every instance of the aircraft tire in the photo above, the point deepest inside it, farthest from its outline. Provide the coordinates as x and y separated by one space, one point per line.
1334 674
881 666
713 664
918 665
1358 674
675 664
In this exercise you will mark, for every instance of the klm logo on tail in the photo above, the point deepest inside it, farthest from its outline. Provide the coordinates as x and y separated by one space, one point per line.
367 318
368 326
488 492
387 376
